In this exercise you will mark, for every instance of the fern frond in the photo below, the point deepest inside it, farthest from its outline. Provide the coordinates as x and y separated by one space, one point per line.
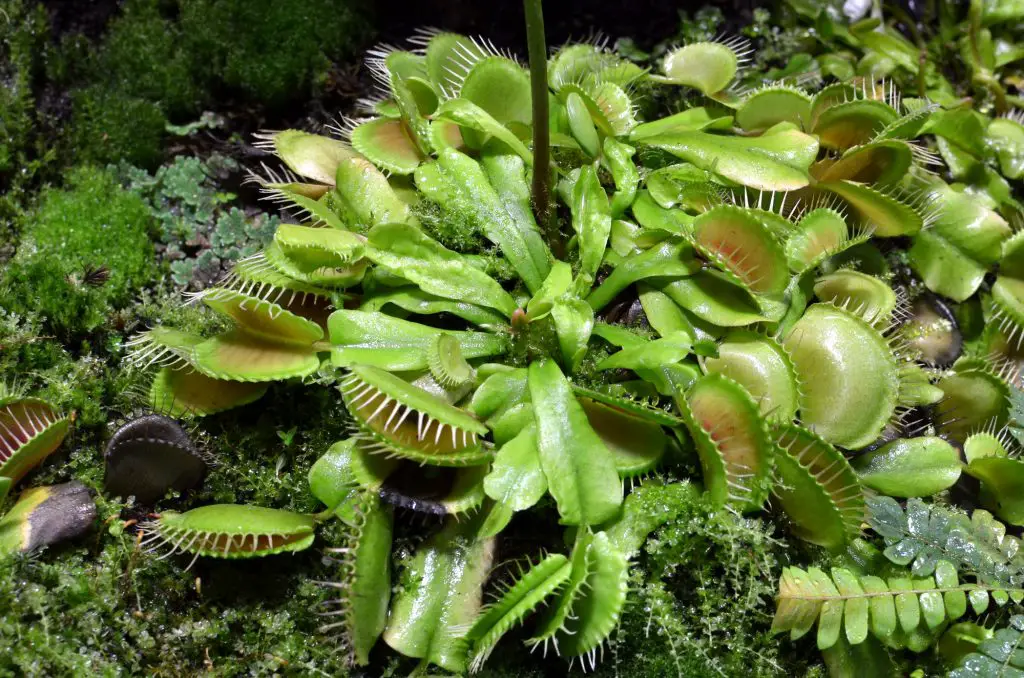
1000 656
863 604
924 534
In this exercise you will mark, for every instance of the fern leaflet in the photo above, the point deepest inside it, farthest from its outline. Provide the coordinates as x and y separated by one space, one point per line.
870 604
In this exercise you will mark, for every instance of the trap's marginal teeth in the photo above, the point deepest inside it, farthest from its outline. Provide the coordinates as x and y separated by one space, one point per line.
739 243
637 444
975 398
162 347
707 66
188 393
848 372
850 124
309 155
447 365
878 162
364 588
865 296
387 144
315 248
817 488
149 456
772 104
397 418
30 430
229 531
821 233
263 319
46 515
732 440
256 277
990 443
761 365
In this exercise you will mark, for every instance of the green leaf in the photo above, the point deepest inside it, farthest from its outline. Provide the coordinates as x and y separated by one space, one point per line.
411 254
496 199
574 321
910 467
367 195
468 115
380 340
431 615
516 478
592 221
580 470
776 161
416 301
856 612
670 258
650 355
618 158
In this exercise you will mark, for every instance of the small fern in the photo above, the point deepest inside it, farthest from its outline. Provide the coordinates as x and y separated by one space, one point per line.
870 604
1000 656
924 534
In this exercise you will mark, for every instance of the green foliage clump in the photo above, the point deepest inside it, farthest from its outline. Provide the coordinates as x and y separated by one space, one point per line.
23 35
20 36
85 250
160 62
109 125
199 232
704 600
265 50
143 56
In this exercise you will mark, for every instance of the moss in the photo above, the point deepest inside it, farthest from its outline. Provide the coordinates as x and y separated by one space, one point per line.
109 126
703 601
92 225
269 51
101 607
24 32
142 56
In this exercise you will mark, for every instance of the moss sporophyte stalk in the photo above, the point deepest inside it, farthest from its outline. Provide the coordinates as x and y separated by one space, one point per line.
572 362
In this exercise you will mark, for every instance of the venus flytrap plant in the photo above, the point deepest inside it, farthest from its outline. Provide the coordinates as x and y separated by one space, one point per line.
764 330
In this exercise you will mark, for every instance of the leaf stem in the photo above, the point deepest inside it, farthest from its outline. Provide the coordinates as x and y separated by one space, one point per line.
539 89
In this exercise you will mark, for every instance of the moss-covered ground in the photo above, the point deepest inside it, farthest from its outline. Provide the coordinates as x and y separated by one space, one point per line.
124 129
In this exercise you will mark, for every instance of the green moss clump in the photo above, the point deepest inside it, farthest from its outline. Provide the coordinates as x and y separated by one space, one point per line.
142 56
269 51
85 250
102 607
109 125
24 153
703 607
